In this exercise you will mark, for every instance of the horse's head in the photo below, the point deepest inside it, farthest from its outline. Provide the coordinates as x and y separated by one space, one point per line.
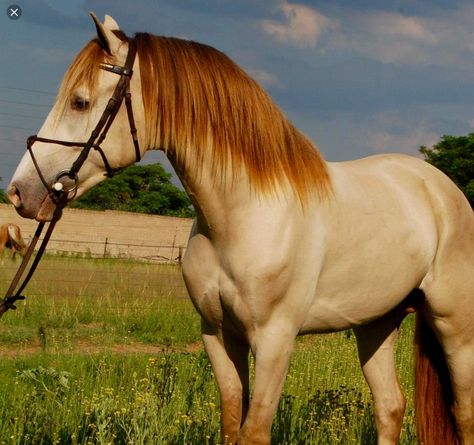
86 90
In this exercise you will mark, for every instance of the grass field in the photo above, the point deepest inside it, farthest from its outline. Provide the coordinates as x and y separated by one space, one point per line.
108 352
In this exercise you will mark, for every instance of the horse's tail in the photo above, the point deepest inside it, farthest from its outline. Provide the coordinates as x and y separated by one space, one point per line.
433 391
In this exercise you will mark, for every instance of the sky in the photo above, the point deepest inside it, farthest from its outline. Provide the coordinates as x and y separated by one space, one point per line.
358 77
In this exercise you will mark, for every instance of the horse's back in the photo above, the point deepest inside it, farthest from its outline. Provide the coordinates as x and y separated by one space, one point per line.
423 198
14 232
413 181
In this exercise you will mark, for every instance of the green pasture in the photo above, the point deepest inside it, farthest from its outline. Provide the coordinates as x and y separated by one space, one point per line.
99 302
108 352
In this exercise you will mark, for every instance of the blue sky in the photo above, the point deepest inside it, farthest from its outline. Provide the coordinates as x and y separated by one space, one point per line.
358 77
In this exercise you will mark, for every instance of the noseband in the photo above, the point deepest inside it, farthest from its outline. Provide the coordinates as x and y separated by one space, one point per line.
121 92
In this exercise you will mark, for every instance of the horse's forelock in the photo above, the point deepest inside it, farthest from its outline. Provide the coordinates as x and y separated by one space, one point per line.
83 71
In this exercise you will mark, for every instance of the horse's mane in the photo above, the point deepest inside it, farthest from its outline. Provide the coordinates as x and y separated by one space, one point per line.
197 100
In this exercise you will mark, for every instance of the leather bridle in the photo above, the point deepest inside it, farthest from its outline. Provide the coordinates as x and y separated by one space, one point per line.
57 192
98 135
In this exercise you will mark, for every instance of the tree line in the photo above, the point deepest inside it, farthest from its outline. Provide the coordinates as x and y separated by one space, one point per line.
138 188
454 155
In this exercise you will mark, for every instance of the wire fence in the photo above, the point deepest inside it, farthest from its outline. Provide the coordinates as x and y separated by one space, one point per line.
60 276
107 248
118 257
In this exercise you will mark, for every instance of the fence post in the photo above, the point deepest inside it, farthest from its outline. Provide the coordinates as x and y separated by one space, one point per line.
105 246
172 247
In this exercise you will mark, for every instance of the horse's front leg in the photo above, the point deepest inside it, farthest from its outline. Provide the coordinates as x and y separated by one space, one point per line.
229 358
272 349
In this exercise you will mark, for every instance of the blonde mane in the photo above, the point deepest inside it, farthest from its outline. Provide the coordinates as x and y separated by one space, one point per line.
195 98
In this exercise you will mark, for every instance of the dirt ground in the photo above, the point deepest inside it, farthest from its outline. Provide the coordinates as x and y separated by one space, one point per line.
84 347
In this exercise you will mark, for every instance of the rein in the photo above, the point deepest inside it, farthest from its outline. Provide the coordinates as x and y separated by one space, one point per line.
10 298
58 193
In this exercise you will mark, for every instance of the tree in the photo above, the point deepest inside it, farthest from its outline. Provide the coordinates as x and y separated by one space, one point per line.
454 155
143 189
3 196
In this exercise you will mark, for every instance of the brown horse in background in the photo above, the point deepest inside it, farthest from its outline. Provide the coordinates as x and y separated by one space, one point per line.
10 237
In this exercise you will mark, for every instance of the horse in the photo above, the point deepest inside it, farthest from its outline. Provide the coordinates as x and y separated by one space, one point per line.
342 245
10 237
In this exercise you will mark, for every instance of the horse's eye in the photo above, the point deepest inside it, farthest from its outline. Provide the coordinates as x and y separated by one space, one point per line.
79 103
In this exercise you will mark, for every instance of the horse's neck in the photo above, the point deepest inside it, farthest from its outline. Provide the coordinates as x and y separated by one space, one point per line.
218 201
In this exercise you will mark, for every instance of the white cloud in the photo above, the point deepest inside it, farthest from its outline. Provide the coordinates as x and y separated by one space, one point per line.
389 37
455 34
395 25
386 142
437 39
392 132
303 25
265 78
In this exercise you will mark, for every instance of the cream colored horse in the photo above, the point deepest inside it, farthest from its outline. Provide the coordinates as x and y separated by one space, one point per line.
284 243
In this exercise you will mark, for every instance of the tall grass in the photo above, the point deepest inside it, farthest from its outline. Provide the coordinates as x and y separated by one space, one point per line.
100 302
59 393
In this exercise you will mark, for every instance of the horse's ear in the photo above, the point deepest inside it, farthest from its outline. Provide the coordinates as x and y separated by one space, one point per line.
107 39
110 23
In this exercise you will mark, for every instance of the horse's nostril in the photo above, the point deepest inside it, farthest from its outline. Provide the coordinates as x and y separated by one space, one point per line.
14 196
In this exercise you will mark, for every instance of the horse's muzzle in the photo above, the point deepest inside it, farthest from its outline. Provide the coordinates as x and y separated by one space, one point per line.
36 207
